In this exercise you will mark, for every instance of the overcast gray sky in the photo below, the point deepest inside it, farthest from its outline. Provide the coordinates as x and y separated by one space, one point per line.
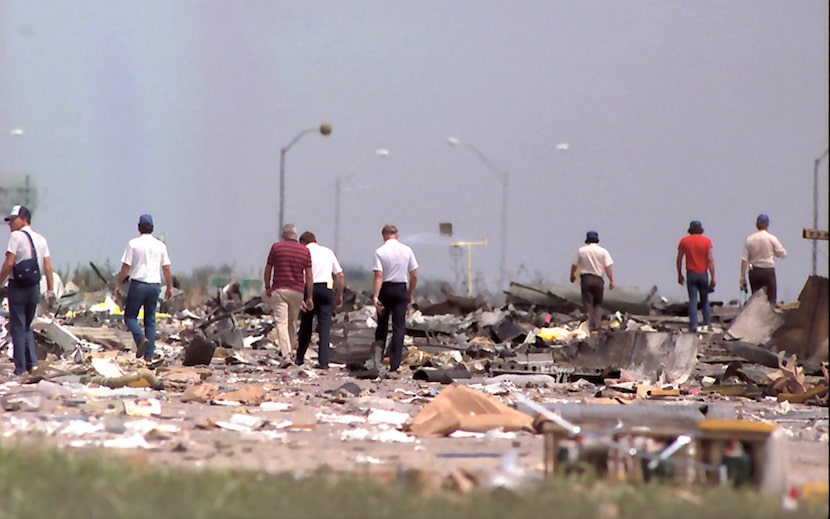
672 110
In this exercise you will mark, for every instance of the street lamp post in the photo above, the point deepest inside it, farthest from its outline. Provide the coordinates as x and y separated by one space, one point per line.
504 177
338 191
324 130
815 203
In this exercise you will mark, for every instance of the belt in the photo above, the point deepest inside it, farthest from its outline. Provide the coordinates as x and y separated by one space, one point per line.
144 282
753 267
321 284
394 283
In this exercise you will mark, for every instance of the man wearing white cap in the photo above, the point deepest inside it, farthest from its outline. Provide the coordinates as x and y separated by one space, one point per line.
145 260
27 256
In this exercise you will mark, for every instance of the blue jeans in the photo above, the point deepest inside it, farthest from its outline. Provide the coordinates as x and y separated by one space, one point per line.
142 295
22 307
698 284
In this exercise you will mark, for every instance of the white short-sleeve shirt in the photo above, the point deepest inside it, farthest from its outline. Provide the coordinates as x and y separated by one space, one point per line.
395 260
760 249
146 255
323 263
20 246
592 259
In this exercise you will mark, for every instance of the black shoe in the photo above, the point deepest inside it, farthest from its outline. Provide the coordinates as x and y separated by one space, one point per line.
320 366
141 349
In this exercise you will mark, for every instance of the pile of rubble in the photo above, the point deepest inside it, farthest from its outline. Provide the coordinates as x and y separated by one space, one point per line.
524 383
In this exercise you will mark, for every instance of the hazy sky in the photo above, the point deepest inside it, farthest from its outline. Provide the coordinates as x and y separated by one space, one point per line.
673 111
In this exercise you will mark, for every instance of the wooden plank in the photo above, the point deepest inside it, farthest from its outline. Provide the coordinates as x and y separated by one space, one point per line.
814 234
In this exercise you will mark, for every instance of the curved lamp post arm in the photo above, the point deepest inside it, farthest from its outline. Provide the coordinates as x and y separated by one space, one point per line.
324 130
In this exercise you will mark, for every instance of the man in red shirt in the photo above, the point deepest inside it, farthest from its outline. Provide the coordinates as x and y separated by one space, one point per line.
697 249
287 277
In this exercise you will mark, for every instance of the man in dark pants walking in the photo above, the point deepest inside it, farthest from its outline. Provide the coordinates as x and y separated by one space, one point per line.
760 251
394 264
326 295
23 297
591 261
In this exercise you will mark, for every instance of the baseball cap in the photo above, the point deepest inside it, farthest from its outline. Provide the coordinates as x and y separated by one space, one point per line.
592 235
695 224
762 219
19 210
145 220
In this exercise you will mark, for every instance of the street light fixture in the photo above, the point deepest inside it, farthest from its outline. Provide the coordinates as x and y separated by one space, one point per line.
815 203
504 177
324 130
338 191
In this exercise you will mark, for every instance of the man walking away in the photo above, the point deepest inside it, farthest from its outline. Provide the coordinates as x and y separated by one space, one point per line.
287 277
144 261
590 262
394 264
326 296
697 249
27 255
759 250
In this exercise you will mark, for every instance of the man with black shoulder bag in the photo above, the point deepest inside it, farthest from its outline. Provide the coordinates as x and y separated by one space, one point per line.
27 256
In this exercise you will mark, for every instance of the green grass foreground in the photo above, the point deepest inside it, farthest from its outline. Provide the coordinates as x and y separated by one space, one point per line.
50 484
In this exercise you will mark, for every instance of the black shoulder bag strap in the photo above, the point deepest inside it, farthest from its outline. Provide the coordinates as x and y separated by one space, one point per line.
34 249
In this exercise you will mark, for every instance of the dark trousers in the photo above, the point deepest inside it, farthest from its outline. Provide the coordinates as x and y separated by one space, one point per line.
394 300
22 307
323 298
592 290
764 277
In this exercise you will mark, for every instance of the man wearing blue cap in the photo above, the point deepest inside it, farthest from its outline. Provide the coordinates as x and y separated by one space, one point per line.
759 250
145 260
591 262
697 249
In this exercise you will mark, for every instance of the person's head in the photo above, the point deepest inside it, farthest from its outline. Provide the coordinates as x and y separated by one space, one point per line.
289 232
145 224
389 232
308 237
695 227
592 237
18 217
762 222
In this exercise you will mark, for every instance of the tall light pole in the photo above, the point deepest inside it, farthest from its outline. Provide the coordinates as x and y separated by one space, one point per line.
324 129
504 177
815 203
338 191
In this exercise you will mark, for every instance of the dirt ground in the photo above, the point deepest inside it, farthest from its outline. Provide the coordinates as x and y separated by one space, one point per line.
304 432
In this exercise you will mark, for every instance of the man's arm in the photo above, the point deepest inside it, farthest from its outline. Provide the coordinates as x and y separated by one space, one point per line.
7 267
266 278
710 263
339 284
743 274
168 278
573 273
309 289
777 249
413 282
679 265
377 281
610 273
122 275
50 281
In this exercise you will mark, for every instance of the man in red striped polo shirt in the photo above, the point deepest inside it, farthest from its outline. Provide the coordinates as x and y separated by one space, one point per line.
287 277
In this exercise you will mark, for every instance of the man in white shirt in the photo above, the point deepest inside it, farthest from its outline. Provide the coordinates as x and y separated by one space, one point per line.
759 250
394 264
23 295
144 261
591 261
326 295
